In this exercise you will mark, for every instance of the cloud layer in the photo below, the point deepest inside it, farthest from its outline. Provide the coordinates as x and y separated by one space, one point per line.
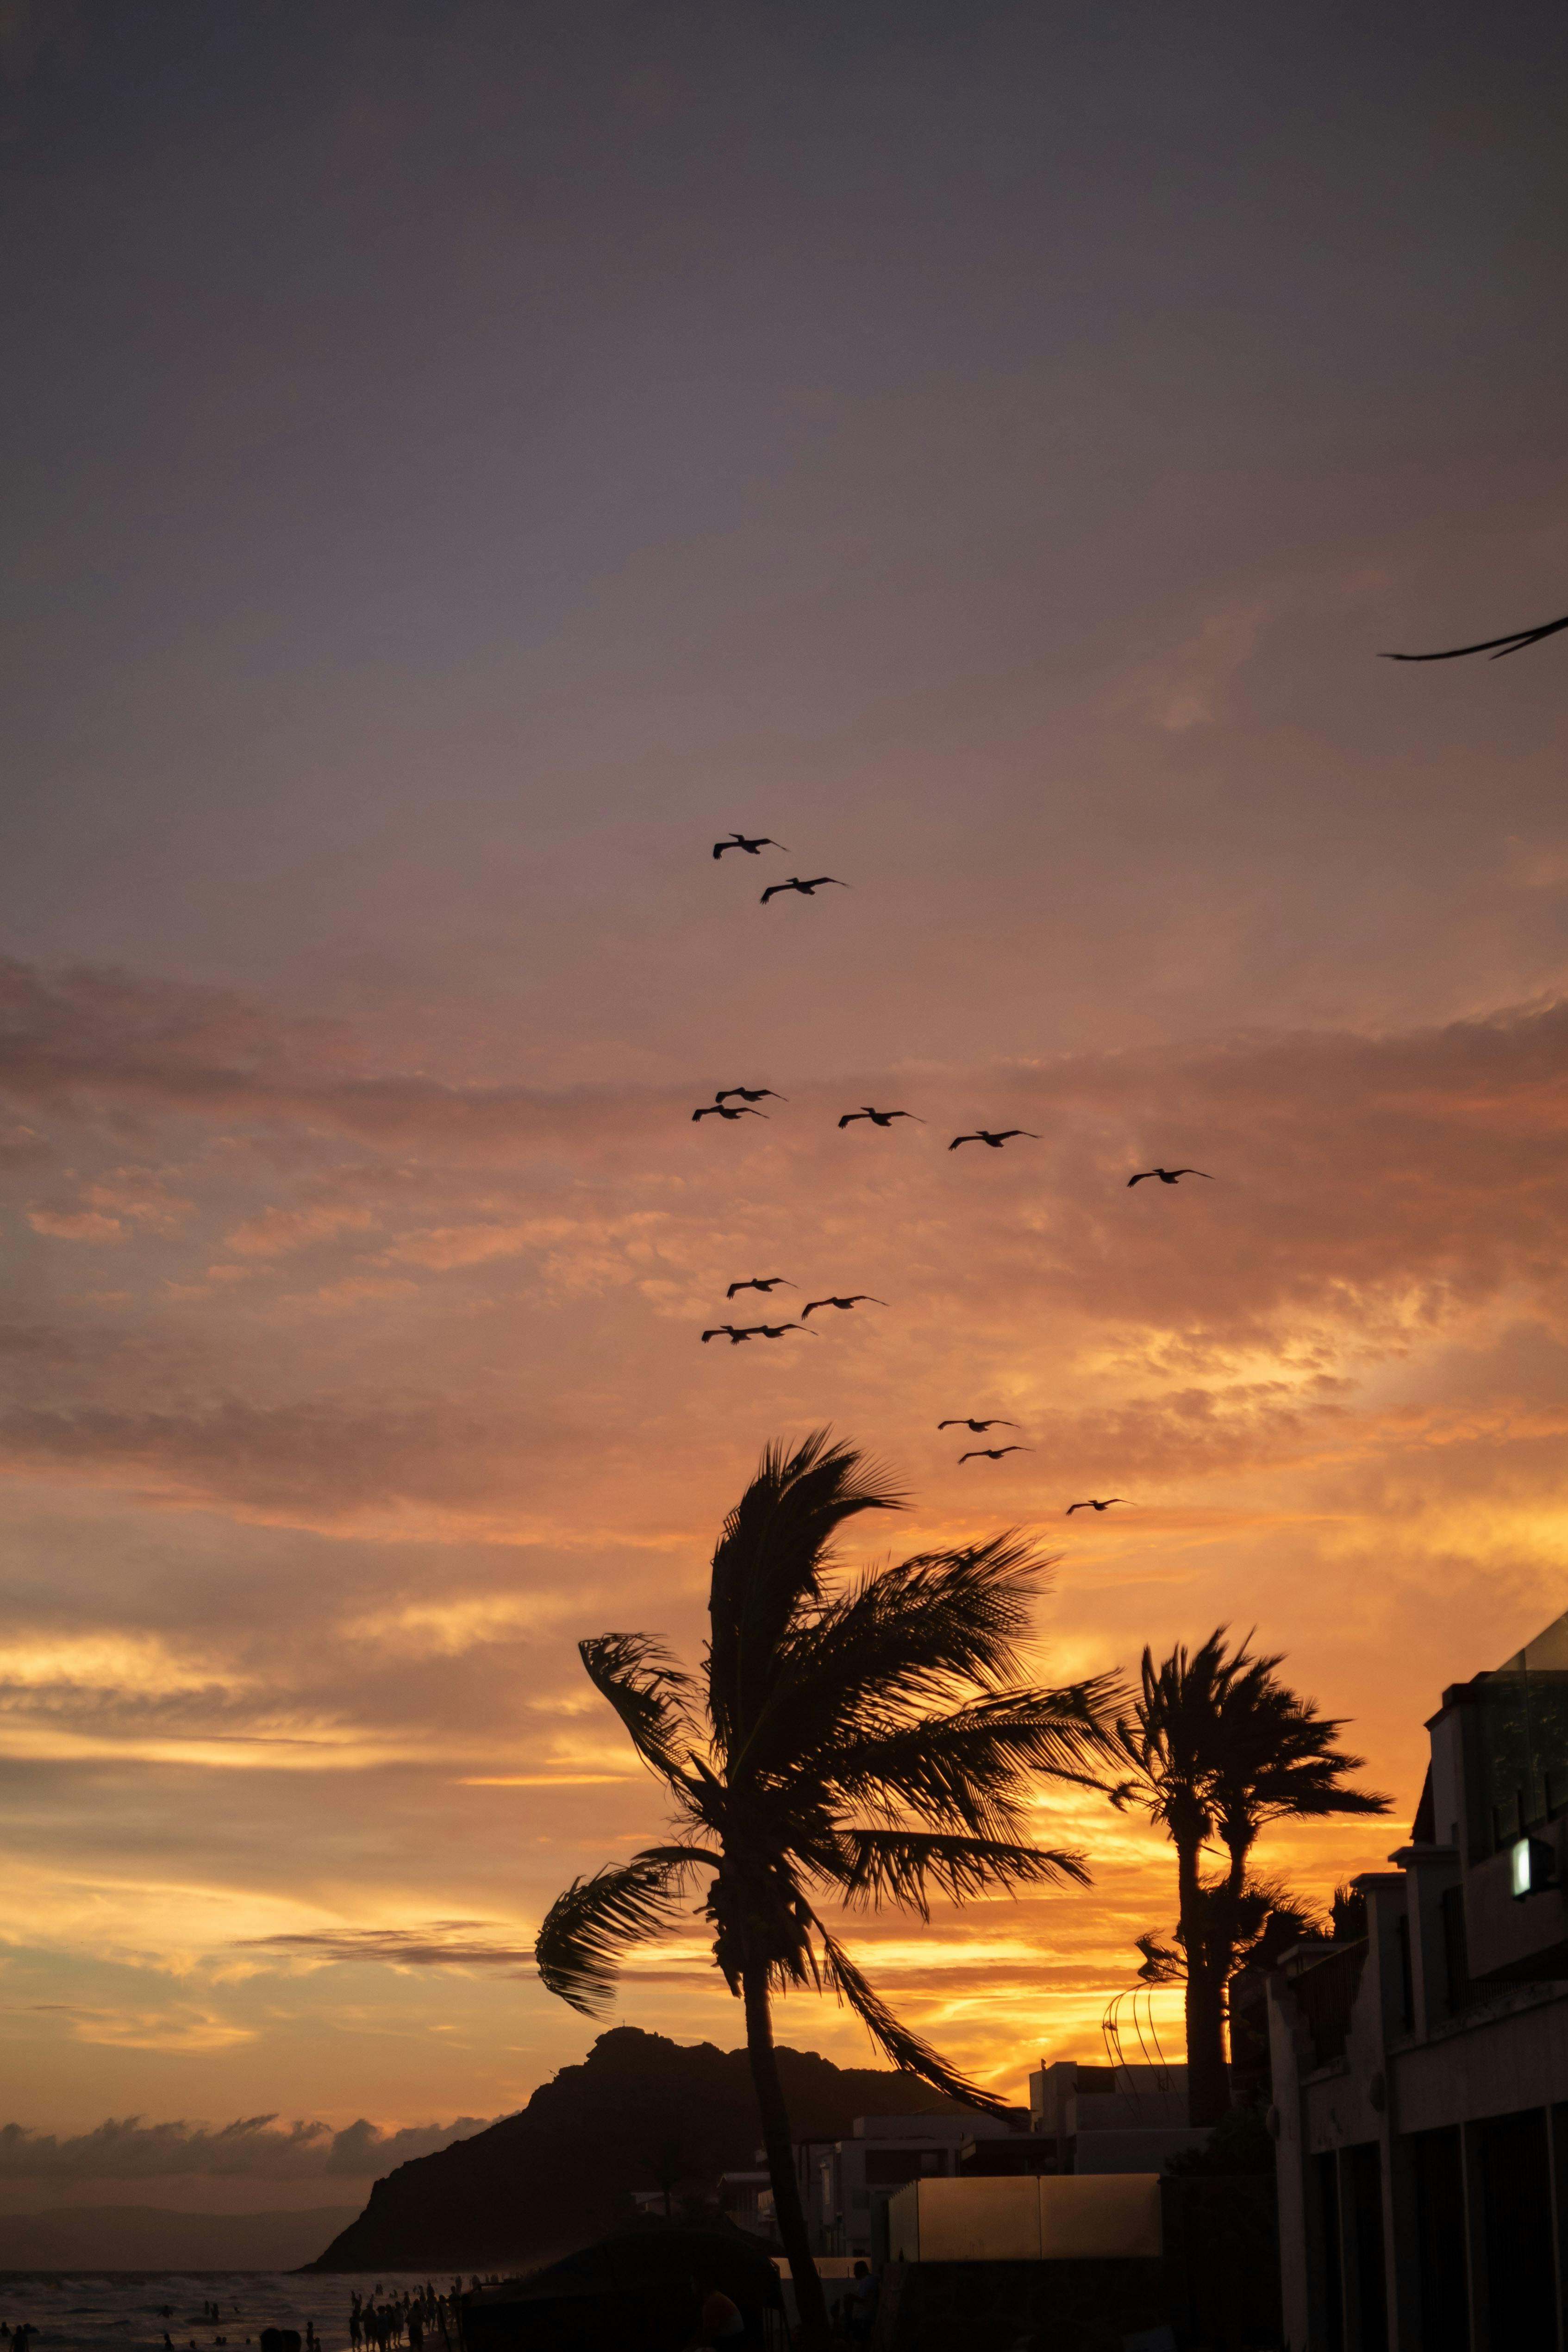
254 2147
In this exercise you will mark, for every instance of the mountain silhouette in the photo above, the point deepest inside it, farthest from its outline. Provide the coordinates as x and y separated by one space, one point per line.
558 2174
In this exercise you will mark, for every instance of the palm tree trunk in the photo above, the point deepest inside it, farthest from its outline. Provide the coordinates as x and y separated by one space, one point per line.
810 2301
1207 2085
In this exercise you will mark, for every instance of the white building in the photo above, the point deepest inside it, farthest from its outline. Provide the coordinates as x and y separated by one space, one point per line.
846 2183
1112 2118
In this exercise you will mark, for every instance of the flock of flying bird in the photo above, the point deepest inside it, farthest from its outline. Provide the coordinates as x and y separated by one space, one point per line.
730 1103
741 1102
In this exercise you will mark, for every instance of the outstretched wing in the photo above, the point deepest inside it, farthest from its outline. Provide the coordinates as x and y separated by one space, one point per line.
958 1140
1193 1172
578 1949
1140 1177
1513 643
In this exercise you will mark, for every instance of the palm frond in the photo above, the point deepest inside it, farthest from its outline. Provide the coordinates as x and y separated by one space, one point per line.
897 2041
648 1691
903 1867
578 1949
973 1770
770 1562
903 1637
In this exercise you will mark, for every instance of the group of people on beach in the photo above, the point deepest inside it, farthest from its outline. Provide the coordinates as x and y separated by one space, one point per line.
385 2326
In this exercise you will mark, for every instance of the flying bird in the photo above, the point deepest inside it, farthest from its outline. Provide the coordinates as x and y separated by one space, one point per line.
979 1427
749 1093
777 1331
1168 1175
806 890
1093 1505
762 1282
993 1452
729 1332
985 1135
1496 646
739 841
727 1111
862 1297
880 1118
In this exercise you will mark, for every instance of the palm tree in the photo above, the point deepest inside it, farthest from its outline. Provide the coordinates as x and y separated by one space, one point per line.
1219 1747
860 1745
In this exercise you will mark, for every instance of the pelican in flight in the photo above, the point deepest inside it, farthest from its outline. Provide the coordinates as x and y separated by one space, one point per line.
727 1110
806 890
1168 1175
880 1118
733 1332
1093 1505
860 1299
749 1093
762 1282
1513 643
992 1452
994 1138
979 1427
756 842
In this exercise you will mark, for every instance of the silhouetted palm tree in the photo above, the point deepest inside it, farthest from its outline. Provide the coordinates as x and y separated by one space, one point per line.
859 1746
1219 1747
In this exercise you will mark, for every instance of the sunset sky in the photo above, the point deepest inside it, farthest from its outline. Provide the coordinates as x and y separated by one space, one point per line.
460 460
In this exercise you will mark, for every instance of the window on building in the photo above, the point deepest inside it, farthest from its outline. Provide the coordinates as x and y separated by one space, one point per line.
1370 2285
1331 2268
1520 1750
1437 2162
1455 1949
1516 2197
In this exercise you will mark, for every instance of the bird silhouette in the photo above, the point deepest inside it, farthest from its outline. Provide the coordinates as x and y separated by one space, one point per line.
993 1452
880 1118
995 1140
806 890
860 1298
979 1427
1513 643
749 1093
1168 1175
727 1110
777 1331
1093 1505
762 1282
739 841
730 1332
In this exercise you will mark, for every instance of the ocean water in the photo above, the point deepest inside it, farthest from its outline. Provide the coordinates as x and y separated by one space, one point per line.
92 2311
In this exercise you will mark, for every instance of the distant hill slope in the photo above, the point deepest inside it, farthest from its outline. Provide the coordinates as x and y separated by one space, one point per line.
157 2237
559 2175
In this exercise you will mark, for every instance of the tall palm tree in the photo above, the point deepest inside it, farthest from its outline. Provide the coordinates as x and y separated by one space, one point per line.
1219 1747
857 1746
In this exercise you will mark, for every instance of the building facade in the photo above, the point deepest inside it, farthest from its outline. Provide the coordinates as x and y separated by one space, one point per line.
846 2183
1420 2070
1112 2118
